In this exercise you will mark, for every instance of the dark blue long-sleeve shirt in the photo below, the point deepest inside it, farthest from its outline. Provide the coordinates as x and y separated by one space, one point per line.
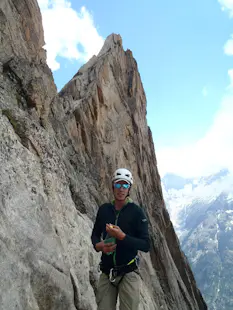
133 222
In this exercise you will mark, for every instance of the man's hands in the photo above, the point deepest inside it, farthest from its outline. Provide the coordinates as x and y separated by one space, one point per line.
105 247
115 231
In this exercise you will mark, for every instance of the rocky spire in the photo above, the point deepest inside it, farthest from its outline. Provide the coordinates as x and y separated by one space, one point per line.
111 42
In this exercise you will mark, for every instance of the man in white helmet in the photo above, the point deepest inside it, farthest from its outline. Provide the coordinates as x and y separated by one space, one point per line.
123 227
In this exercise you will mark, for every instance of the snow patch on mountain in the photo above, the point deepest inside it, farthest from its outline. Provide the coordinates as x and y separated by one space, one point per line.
203 191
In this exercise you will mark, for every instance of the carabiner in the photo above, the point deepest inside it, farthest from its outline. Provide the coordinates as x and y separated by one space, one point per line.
111 278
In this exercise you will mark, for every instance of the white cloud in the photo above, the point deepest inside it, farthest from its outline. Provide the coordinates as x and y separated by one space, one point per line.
208 155
230 73
66 31
227 5
228 47
205 91
215 150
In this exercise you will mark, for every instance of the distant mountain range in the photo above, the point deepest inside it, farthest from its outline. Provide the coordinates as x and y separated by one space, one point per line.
201 210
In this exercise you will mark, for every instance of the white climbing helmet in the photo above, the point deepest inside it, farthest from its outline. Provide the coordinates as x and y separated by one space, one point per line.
123 174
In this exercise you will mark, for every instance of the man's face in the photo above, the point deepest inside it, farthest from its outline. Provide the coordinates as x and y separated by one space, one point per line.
120 190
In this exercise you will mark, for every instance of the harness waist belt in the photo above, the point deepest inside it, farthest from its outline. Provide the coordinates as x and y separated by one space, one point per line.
120 270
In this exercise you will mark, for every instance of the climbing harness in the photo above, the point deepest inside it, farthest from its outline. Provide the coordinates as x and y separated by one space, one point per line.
117 271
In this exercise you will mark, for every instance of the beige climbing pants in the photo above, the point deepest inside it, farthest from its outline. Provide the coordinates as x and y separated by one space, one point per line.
128 290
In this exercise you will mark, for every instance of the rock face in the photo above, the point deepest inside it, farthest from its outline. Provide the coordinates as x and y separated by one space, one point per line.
205 225
57 155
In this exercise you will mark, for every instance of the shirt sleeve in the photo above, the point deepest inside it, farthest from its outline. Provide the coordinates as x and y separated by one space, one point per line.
97 231
141 242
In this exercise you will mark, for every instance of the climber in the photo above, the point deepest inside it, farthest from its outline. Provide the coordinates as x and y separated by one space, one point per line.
124 229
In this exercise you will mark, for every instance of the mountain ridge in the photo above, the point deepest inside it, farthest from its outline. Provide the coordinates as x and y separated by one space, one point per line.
58 152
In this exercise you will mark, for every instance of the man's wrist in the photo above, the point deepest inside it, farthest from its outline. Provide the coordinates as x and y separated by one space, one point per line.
122 236
99 246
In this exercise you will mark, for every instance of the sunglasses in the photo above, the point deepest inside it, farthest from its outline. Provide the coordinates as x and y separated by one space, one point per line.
125 186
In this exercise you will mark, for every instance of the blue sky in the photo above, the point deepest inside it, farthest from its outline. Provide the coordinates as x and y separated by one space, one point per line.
179 48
